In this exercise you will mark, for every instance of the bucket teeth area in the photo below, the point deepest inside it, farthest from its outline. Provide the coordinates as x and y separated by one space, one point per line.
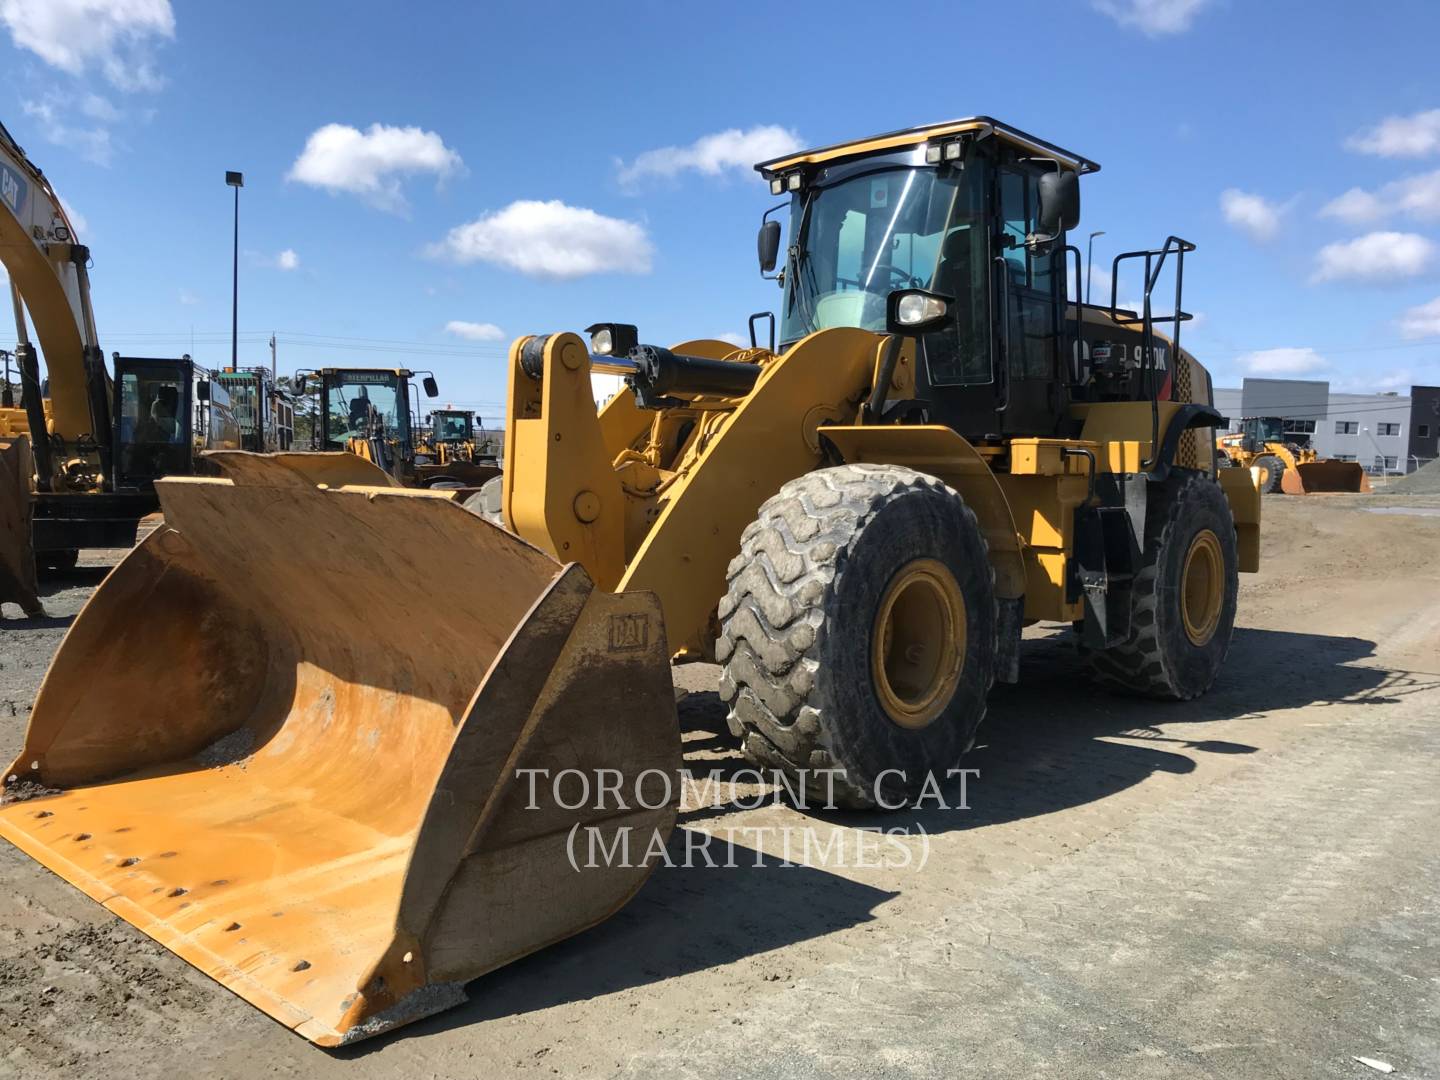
299 770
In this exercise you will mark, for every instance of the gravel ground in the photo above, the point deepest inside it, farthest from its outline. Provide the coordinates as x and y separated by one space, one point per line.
1244 885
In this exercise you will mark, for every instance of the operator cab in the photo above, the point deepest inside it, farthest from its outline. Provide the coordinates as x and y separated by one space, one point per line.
971 217
165 413
452 426
1259 430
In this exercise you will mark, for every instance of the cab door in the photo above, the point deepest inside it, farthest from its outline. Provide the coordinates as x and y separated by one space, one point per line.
1028 288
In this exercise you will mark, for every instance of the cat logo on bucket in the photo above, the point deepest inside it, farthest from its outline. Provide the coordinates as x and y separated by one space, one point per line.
629 632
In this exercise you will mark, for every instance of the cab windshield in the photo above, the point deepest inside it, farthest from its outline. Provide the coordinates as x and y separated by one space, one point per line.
361 404
452 427
893 227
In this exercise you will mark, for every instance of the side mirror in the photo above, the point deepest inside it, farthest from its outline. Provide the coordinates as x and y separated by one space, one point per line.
768 244
912 312
432 388
1059 203
202 390
299 383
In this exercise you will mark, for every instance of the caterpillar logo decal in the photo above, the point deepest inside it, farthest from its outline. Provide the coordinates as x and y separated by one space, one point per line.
12 189
629 632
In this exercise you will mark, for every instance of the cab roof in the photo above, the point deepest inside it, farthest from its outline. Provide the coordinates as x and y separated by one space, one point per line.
917 136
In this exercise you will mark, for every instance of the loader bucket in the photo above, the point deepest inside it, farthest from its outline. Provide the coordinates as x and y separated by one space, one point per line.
1318 477
289 738
17 555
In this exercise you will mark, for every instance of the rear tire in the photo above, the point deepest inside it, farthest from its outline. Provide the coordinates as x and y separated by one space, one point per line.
858 633
1272 469
55 563
1183 599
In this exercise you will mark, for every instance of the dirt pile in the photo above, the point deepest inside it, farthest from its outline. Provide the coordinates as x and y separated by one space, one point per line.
1423 481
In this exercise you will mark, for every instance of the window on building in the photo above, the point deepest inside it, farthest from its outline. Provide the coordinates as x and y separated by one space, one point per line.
1299 427
1387 429
1422 430
1347 427
1390 462
1345 457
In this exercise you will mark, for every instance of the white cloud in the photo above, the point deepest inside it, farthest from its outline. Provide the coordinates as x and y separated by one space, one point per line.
1376 256
1153 17
740 341
92 143
1286 361
549 239
287 260
369 164
1415 196
1400 136
1395 379
72 35
1421 321
1252 214
474 331
714 154
188 298
98 108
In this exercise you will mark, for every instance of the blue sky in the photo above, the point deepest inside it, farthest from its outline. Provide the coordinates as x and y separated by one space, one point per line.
524 168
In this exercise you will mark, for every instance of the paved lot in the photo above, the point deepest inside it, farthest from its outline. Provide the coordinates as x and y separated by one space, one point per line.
1241 886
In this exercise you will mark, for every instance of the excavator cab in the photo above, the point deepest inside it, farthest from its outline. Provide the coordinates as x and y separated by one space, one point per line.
166 413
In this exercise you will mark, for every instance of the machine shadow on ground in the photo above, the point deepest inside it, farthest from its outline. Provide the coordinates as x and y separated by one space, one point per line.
685 919
1044 748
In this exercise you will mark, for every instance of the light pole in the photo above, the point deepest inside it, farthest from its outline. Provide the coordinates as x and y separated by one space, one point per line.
1090 261
237 181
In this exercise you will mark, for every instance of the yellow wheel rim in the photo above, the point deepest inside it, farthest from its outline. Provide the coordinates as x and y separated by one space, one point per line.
917 645
1264 476
1202 587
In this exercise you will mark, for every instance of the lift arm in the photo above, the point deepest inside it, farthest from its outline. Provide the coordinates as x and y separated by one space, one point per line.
47 268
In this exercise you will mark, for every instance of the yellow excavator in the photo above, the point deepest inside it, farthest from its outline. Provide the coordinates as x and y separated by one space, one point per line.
79 457
366 745
1285 461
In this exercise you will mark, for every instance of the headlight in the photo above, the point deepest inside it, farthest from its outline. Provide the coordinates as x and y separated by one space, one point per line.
602 342
777 186
915 309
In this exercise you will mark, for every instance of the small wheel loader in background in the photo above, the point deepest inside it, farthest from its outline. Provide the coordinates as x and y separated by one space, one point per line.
325 799
372 413
1285 461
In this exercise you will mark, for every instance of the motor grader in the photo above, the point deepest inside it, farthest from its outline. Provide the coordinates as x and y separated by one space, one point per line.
319 800
1285 461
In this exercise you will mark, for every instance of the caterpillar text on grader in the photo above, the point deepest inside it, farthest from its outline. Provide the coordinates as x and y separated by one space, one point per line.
317 800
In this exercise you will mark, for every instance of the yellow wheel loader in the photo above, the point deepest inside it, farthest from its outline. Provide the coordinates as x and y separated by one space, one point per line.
449 449
372 413
1284 461
361 777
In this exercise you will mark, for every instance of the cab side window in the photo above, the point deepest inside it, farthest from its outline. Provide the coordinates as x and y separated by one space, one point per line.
1032 313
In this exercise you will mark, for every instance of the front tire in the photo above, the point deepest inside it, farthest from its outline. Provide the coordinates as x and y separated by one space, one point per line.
1271 470
1183 600
858 633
